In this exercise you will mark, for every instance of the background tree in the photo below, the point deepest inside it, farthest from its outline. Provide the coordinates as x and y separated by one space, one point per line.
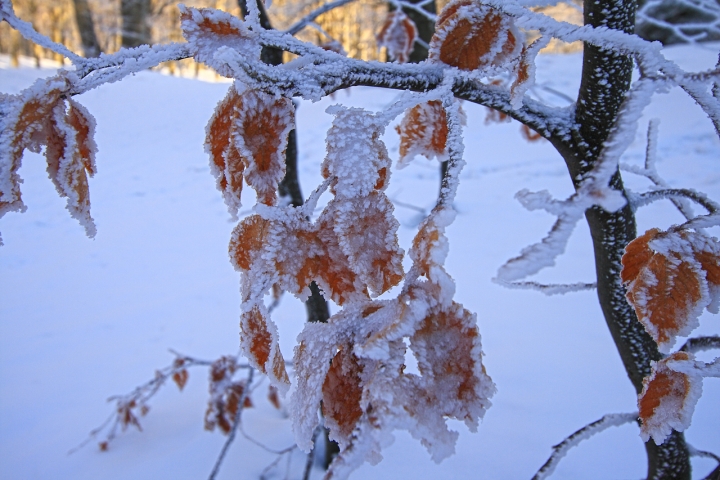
86 27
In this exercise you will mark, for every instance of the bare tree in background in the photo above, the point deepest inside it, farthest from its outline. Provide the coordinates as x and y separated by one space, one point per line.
135 25
86 28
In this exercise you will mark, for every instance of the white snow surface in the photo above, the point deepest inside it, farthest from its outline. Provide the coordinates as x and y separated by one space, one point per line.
83 319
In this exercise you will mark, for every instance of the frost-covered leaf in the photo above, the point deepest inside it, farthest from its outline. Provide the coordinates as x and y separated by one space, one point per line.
262 127
449 355
668 399
83 123
423 131
342 392
247 241
469 35
259 343
367 231
208 30
317 345
246 138
225 395
67 167
180 377
398 35
429 247
333 271
23 126
356 156
226 165
669 278
37 117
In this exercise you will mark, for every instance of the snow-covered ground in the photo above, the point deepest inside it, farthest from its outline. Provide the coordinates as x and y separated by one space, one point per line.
83 319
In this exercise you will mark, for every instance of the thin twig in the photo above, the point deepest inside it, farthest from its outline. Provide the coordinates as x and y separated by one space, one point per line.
236 424
311 455
561 449
700 344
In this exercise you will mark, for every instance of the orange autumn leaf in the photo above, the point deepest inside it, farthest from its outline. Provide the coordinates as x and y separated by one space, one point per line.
332 270
273 397
180 377
429 247
207 29
263 125
669 278
258 340
423 131
248 239
226 164
668 399
82 122
398 35
341 395
529 134
25 127
469 35
447 348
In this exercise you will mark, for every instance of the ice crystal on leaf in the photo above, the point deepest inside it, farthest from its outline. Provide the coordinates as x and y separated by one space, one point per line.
469 35
671 277
398 35
423 131
246 138
352 367
39 117
208 30
668 398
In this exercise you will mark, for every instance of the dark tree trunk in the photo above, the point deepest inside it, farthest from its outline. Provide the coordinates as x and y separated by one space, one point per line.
135 15
86 28
606 79
289 189
425 27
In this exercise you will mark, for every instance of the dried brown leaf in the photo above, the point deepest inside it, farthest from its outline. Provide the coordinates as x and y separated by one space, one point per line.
668 399
225 161
342 393
398 35
263 125
424 131
666 283
248 239
469 35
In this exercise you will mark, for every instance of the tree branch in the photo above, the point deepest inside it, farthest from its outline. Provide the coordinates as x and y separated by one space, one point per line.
235 425
700 344
561 449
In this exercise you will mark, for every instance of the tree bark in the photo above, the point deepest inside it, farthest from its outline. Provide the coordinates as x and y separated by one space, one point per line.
135 22
86 28
606 78
425 28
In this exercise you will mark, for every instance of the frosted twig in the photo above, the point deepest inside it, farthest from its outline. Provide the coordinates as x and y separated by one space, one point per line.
690 367
138 398
642 199
415 7
455 148
561 449
311 455
235 425
548 289
699 344
650 171
694 452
